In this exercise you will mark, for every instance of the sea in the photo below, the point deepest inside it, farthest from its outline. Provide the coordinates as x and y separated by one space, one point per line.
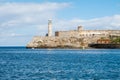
19 63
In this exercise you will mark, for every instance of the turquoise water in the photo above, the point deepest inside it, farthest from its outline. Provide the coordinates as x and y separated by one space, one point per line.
19 63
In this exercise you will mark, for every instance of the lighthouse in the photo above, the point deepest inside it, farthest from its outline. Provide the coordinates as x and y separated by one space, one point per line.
49 28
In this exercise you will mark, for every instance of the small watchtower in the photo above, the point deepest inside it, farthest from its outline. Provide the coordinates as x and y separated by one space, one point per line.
80 28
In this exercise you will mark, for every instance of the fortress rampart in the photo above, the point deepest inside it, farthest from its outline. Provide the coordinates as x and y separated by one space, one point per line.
87 33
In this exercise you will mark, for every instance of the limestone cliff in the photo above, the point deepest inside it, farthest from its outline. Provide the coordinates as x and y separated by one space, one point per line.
57 42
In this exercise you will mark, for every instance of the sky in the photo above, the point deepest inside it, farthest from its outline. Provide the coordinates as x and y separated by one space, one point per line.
21 20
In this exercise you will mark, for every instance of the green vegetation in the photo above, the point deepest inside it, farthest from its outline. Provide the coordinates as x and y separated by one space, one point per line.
102 38
115 40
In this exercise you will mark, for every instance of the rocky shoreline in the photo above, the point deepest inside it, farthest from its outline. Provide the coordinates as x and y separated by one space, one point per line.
68 43
57 42
105 46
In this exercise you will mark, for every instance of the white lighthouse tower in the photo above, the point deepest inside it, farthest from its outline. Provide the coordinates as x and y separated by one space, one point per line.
49 27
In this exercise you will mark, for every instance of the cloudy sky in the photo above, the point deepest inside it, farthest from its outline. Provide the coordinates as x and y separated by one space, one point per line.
20 20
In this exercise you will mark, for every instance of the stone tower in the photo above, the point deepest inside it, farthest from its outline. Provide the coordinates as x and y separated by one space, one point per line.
49 28
80 28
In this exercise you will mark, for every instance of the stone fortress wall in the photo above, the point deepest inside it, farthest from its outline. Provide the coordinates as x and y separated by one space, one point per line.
87 33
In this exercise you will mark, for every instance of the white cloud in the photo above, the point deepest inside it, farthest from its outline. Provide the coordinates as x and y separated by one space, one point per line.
25 19
10 35
14 15
28 12
109 22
